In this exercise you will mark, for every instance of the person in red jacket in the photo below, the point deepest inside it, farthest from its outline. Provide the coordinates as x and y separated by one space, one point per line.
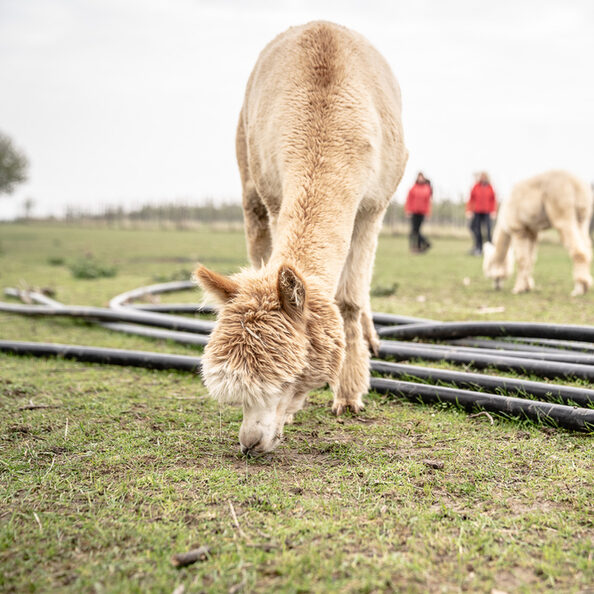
418 206
480 209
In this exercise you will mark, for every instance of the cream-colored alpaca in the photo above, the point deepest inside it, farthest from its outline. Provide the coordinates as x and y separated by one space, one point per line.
553 199
320 151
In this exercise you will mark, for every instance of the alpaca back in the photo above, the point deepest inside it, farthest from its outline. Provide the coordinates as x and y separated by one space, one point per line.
322 125
534 201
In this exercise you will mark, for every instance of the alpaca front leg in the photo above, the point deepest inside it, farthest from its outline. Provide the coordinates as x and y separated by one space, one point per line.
353 381
369 331
353 300
294 407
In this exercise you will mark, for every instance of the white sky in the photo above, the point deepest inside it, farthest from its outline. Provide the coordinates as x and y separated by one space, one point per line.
135 101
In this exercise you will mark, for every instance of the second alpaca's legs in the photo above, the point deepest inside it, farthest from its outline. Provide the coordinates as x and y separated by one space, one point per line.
572 225
579 246
524 246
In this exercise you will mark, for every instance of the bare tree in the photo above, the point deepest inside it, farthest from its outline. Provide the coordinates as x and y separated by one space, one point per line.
28 206
13 165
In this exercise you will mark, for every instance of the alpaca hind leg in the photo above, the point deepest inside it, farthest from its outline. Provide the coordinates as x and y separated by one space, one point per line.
570 223
580 249
256 219
579 246
257 227
524 247
353 299
585 281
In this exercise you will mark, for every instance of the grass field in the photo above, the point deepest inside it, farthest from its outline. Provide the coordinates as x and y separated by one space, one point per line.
129 466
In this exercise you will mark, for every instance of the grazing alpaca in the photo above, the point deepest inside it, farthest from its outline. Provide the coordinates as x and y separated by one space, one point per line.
553 199
320 151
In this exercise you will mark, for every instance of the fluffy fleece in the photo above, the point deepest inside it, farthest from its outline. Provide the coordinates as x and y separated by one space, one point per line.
553 199
320 151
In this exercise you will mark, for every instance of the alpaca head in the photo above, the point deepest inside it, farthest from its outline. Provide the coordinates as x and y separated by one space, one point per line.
492 268
277 337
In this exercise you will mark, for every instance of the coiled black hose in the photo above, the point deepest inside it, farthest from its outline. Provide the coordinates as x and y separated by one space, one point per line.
576 419
558 346
538 355
548 369
543 391
470 381
569 417
450 330
112 315
103 355
390 348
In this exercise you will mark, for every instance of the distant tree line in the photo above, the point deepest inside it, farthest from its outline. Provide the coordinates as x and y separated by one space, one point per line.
180 215
445 212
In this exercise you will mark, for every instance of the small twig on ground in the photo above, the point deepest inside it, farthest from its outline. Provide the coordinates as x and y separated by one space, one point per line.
236 521
483 413
32 406
38 522
183 559
66 429
180 589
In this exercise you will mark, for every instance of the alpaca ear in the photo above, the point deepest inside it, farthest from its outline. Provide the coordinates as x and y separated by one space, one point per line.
291 291
221 288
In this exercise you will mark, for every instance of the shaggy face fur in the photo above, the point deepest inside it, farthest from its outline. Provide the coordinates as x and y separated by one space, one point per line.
320 151
553 199
276 339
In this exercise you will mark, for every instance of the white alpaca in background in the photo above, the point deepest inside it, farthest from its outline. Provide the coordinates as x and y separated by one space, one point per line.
553 199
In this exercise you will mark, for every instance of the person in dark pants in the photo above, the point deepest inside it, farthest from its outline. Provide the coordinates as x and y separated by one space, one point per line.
418 206
480 209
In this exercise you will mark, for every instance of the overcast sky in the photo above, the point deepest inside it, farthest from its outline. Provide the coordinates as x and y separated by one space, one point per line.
135 101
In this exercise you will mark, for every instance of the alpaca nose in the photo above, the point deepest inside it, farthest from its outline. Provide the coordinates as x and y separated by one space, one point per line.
249 440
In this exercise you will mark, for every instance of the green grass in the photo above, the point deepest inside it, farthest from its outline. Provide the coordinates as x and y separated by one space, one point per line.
131 466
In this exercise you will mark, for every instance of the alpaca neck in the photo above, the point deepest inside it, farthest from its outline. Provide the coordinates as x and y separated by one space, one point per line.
314 231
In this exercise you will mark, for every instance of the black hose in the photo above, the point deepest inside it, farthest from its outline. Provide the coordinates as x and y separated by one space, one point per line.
174 308
135 329
392 349
540 390
450 330
126 314
103 355
384 319
122 299
548 369
556 355
577 419
551 342
560 415
509 345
